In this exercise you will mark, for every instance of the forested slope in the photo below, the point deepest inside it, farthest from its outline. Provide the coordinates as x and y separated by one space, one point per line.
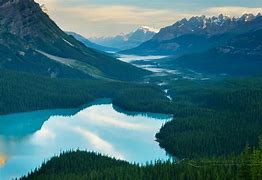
213 118
83 165
240 56
21 92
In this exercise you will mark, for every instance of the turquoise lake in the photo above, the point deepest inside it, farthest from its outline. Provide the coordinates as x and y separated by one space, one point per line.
28 139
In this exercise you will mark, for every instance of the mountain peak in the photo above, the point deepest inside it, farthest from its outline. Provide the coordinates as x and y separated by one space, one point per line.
203 25
248 17
22 17
8 3
33 43
128 40
148 29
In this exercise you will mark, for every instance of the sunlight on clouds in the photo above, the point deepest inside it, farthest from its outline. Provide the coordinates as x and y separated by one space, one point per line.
232 11
43 137
97 142
84 130
117 121
107 20
99 20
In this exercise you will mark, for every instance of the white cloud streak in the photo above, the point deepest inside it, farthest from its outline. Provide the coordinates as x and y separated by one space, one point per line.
104 20
98 143
232 11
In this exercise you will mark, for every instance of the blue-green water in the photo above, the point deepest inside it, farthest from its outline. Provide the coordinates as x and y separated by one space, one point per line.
27 139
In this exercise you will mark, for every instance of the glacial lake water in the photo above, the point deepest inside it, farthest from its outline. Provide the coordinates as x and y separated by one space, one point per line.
27 139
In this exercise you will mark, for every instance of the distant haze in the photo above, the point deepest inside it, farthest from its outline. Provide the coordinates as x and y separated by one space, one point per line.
95 18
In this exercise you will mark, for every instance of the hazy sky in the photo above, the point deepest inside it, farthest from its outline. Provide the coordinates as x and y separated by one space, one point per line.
110 17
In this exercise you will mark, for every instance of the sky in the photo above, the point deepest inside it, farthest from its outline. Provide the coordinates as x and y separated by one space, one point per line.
97 18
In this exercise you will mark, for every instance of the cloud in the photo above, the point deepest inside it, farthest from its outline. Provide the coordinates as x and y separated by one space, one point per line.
43 137
232 11
98 143
100 19
115 120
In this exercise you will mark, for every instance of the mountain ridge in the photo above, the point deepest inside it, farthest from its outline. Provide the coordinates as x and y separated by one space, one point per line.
241 56
24 21
90 44
203 25
173 40
129 40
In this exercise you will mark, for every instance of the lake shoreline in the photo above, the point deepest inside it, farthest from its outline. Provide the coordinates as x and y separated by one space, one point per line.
97 128
97 101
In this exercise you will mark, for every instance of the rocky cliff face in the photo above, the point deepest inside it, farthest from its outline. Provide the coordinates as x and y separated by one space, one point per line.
21 17
25 19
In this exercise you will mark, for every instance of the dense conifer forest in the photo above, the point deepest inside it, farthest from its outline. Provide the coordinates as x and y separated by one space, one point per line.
22 92
213 118
213 121
81 165
214 133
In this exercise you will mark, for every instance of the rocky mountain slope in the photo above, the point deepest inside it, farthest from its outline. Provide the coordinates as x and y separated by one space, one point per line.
31 42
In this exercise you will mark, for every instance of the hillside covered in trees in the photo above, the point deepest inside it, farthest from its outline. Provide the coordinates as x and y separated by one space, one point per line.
81 165
213 118
21 92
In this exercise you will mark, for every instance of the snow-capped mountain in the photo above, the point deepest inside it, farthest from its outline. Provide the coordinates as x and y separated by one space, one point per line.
197 34
204 25
146 29
127 41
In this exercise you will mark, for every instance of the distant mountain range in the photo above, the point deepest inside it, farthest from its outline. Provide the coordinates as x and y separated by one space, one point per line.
31 42
90 44
197 34
127 41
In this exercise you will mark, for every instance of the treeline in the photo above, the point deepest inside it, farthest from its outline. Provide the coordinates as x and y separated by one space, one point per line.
81 165
22 92
148 99
213 118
